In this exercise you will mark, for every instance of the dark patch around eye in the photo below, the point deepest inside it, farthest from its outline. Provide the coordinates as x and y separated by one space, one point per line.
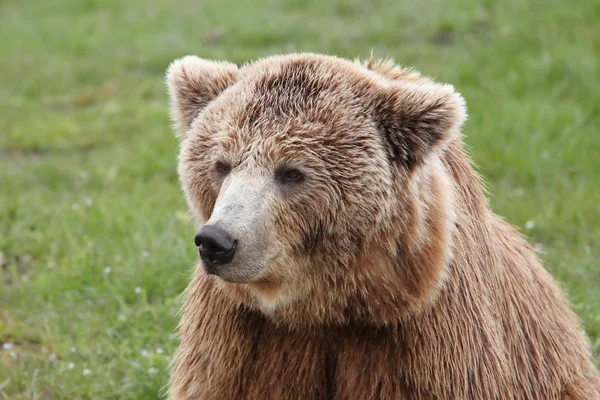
289 176
222 168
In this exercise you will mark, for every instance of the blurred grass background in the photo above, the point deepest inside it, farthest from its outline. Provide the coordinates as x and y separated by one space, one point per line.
95 242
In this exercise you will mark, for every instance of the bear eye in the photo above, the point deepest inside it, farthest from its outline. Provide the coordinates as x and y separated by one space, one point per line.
222 167
291 176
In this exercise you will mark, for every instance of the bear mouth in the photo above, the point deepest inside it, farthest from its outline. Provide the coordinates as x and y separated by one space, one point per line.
249 274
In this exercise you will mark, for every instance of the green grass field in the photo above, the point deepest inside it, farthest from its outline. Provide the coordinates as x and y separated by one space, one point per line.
95 240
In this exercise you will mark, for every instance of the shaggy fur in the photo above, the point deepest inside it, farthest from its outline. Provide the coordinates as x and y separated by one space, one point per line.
393 279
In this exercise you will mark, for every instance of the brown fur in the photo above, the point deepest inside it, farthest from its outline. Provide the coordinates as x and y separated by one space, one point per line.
394 279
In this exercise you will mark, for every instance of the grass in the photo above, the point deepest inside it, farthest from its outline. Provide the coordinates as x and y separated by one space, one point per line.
95 242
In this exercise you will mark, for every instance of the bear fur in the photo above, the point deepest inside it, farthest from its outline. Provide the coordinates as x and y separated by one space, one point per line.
383 274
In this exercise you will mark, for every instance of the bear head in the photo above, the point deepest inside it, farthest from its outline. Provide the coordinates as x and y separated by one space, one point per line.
318 183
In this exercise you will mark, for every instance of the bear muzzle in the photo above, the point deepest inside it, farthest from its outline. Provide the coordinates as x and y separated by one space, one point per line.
235 243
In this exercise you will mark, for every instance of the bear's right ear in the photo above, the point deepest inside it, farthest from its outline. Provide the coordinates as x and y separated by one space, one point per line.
193 82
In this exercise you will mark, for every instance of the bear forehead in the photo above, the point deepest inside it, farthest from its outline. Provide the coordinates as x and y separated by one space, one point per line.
328 70
306 76
297 93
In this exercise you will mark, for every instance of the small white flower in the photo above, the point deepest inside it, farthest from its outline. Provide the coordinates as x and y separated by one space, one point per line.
88 201
144 353
153 371
145 253
71 365
25 278
8 346
158 350
138 289
74 206
122 317
538 247
529 224
73 349
13 355
87 372
107 270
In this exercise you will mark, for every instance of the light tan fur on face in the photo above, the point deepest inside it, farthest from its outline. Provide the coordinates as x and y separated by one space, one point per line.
243 208
384 275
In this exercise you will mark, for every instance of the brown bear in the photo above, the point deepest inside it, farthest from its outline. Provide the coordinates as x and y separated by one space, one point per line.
347 247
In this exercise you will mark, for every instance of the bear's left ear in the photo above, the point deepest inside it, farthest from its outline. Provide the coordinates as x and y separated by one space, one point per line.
193 82
418 117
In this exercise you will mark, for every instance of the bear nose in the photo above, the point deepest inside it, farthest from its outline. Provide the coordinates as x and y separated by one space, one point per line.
216 246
